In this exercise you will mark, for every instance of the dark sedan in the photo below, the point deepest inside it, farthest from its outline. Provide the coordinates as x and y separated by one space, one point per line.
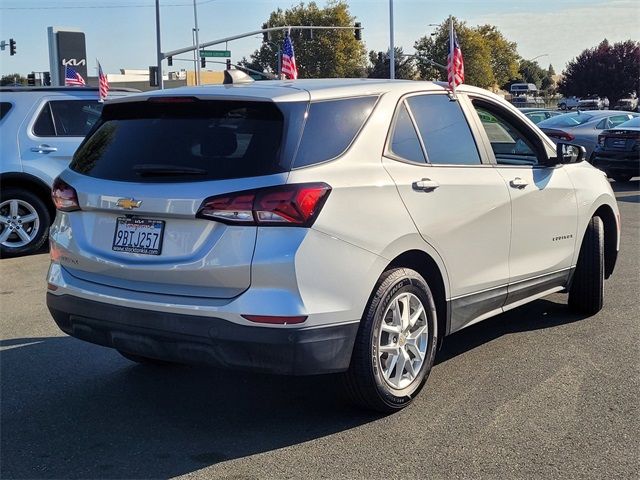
618 151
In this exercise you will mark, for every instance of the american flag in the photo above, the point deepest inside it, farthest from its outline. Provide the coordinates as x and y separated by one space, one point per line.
455 62
103 83
72 78
288 59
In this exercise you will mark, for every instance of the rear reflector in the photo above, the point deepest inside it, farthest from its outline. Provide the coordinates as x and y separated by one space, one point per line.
64 196
275 320
296 205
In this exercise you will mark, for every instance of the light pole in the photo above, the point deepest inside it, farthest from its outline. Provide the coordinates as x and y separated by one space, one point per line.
392 50
158 46
195 20
538 56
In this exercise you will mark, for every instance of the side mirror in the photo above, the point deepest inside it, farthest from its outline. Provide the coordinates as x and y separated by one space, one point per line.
569 153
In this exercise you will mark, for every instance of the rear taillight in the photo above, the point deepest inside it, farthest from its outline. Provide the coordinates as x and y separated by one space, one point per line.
601 139
295 205
64 196
564 136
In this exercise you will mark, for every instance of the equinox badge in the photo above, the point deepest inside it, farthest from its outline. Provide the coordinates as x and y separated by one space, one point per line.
128 203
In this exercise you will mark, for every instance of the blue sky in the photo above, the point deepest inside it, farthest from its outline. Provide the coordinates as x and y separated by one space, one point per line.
123 35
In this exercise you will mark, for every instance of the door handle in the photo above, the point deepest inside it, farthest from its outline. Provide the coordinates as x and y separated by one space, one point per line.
518 183
44 149
425 185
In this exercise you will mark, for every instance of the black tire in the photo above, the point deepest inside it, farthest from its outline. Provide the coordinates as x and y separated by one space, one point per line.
586 294
147 361
44 221
563 106
365 382
621 177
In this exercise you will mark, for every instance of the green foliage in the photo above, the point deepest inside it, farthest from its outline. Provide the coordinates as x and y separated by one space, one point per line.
607 70
13 79
379 68
330 53
550 71
489 58
530 72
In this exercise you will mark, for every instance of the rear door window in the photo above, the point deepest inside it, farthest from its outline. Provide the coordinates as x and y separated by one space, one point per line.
330 128
404 140
193 140
444 130
67 118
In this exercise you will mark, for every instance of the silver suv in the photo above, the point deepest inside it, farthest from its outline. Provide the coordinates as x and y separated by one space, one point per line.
40 129
316 226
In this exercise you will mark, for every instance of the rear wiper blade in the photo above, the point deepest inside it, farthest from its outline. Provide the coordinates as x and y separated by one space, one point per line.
150 169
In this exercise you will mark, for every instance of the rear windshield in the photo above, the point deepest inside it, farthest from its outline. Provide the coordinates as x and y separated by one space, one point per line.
185 140
566 120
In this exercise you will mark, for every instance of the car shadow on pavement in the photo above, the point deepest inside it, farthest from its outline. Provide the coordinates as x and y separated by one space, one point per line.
75 410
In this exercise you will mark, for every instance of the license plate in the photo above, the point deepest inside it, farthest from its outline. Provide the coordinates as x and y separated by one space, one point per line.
619 143
138 235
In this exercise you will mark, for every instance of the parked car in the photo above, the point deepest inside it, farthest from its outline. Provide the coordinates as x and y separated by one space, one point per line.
317 226
568 103
536 115
583 128
629 104
593 102
40 128
618 151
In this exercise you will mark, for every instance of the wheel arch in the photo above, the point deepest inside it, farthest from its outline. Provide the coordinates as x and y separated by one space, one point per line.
30 183
610 223
425 265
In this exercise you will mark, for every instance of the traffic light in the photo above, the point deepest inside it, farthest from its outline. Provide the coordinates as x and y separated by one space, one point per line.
228 64
266 36
170 61
153 77
46 79
12 46
31 79
357 33
203 62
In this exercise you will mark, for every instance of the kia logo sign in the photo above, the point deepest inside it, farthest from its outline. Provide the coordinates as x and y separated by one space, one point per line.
73 62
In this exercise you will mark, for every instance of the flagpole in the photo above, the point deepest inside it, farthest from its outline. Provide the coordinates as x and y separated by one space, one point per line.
451 53
100 99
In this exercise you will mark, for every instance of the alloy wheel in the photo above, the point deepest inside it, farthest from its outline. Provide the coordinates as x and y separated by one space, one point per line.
403 340
19 223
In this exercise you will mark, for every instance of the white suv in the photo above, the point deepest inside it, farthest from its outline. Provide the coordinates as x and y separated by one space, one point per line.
40 129
315 226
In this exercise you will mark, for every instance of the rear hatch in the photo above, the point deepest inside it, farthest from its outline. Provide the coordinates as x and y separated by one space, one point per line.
143 174
619 139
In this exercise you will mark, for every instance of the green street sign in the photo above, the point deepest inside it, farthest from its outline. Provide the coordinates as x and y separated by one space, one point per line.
215 53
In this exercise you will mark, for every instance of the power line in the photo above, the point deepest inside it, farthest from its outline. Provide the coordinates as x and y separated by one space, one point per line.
70 7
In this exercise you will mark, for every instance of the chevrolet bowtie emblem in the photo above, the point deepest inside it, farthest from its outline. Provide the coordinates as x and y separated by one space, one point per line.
128 203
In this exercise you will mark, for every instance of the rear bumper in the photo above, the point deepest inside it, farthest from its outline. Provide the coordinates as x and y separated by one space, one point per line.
205 340
616 161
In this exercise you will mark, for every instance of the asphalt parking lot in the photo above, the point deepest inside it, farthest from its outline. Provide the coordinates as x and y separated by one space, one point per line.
537 392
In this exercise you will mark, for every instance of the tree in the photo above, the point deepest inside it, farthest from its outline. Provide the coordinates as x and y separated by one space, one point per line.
550 71
530 72
489 59
13 79
379 68
607 70
326 53
504 55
